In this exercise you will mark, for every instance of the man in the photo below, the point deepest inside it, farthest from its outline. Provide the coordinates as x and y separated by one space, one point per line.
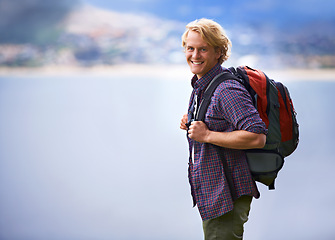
231 122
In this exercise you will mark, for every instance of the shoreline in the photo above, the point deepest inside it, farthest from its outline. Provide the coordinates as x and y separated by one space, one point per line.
168 71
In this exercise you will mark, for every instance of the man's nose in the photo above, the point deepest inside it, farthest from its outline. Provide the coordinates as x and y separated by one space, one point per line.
196 53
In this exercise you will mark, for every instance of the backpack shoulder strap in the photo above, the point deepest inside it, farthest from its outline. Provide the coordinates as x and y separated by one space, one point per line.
200 115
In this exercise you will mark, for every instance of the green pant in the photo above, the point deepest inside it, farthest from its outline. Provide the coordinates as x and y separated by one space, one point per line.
230 225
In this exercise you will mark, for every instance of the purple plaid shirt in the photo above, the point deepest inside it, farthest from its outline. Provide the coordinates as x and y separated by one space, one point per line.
230 109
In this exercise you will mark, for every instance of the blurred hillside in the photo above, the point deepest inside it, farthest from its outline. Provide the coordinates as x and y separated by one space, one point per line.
84 35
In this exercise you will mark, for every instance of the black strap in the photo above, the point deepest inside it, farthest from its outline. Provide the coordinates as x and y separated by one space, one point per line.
200 116
272 185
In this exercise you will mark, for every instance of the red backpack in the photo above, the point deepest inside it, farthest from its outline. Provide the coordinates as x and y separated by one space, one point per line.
275 107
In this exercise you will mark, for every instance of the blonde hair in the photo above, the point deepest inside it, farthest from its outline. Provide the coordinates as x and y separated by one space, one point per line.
212 33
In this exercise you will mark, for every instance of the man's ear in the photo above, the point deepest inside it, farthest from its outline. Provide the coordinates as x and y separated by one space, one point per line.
218 53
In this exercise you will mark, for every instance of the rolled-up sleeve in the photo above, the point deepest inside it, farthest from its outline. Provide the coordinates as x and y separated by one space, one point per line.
235 103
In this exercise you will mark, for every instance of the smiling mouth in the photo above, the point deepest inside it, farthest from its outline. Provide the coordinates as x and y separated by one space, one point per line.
197 63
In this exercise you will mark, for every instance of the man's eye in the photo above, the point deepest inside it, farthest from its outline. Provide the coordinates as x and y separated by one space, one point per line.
190 49
203 50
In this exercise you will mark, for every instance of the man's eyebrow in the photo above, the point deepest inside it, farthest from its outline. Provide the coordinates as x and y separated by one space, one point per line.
196 47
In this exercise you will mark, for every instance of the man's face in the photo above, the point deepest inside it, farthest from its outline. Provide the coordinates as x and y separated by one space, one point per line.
200 56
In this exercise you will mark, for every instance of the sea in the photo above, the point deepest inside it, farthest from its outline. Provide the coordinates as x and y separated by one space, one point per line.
99 156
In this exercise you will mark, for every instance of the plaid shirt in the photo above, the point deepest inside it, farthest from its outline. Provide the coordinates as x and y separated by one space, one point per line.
231 109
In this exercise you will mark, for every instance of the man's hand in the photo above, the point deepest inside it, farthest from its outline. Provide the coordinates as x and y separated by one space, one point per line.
183 122
198 131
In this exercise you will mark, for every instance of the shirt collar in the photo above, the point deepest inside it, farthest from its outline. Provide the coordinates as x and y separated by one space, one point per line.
200 84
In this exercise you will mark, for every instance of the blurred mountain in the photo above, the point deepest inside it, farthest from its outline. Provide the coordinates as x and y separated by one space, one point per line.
89 35
32 21
86 35
121 37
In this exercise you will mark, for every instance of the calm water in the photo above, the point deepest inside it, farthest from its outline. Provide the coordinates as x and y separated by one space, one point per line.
103 158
